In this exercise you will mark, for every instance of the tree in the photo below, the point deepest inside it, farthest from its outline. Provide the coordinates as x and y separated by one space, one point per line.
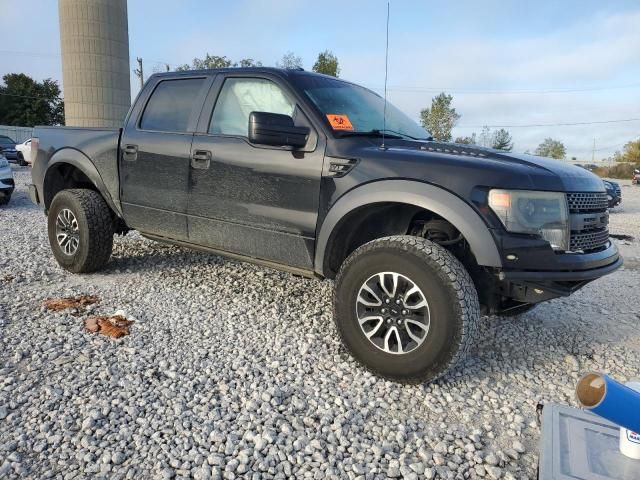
290 60
327 63
551 148
469 140
502 140
440 119
26 102
209 61
248 62
630 152
215 61
486 137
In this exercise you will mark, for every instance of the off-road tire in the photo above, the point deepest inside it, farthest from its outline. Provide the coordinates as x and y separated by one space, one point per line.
449 291
20 160
4 198
95 225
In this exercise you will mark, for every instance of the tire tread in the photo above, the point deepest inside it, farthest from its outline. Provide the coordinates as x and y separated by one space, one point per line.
451 271
100 226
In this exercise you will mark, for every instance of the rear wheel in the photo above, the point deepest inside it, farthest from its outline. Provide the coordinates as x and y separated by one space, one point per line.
406 308
80 230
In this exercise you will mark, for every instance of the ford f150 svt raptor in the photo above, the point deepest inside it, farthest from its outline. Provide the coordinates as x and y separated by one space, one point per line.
299 171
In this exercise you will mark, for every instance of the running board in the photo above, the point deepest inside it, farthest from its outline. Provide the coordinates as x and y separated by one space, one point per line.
236 256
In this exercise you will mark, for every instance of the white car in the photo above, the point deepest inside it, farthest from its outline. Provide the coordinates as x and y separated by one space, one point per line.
24 153
6 180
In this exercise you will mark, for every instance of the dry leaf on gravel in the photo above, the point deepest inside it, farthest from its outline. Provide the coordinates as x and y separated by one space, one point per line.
7 278
58 304
115 326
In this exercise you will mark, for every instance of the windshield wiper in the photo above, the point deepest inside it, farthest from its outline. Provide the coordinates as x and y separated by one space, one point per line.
378 132
387 131
370 133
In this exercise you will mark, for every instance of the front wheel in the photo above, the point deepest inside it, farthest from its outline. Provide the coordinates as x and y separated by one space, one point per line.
80 230
21 162
406 308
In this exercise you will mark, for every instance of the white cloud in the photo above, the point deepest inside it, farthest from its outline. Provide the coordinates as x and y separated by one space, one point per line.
590 53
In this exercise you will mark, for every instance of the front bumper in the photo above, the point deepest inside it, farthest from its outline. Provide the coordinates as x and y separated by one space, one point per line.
6 179
10 154
573 271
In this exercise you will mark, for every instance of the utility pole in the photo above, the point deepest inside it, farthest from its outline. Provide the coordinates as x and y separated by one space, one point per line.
167 65
140 72
593 152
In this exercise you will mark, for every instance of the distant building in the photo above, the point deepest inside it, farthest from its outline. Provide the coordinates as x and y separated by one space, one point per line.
95 62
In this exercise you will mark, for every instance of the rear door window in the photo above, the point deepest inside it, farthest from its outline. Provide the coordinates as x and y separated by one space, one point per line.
171 105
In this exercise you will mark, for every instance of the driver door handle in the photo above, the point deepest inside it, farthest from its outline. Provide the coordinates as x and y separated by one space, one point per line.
201 159
130 153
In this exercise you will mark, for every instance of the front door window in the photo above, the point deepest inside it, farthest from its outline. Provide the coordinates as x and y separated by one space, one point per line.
241 96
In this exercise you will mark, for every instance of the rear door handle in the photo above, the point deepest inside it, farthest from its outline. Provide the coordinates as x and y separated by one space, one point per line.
130 153
201 159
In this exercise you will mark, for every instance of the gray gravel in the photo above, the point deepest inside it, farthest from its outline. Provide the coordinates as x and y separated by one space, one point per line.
235 371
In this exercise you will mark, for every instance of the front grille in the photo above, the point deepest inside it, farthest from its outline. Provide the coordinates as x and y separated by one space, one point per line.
588 238
587 241
618 190
587 202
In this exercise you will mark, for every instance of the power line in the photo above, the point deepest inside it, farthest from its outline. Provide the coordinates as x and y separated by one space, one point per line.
633 139
31 54
30 96
490 91
565 124
407 88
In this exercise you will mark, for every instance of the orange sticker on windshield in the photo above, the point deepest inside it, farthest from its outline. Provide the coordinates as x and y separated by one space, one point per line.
339 122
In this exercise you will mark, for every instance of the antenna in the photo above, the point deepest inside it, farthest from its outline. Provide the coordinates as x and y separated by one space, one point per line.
386 74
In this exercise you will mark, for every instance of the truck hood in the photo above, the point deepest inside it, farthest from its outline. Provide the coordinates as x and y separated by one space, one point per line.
451 165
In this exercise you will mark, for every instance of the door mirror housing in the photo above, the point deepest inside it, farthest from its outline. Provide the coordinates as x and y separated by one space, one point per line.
276 130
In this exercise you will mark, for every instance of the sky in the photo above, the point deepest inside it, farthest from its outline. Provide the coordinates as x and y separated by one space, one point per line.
509 63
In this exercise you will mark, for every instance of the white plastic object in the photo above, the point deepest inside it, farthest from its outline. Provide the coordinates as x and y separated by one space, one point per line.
630 441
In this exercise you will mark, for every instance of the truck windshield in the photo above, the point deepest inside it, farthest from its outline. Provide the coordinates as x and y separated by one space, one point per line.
4 139
352 109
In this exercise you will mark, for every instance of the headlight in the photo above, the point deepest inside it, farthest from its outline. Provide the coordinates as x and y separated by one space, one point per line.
539 213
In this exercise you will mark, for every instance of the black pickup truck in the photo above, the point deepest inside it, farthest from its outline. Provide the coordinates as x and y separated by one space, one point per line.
300 171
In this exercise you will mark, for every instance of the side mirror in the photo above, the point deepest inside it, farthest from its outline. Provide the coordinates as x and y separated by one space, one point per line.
277 130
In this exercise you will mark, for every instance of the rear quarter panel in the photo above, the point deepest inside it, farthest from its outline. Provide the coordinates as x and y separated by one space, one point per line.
83 147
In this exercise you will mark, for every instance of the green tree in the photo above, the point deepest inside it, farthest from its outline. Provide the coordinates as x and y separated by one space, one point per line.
630 152
248 62
327 63
215 61
290 60
26 102
208 62
440 119
551 148
468 140
502 140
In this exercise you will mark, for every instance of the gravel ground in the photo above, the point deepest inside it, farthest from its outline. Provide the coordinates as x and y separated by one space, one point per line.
235 371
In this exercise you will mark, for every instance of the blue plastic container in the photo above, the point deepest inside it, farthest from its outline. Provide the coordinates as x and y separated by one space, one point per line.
604 396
